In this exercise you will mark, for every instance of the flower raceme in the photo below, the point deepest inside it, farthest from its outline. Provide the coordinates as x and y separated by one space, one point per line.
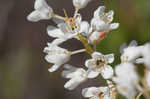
90 34
74 27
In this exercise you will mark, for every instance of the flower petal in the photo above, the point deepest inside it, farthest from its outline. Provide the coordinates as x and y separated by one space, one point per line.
54 68
109 58
39 4
54 32
97 55
73 83
69 70
42 11
113 26
80 3
89 63
107 72
99 11
63 27
90 92
92 74
133 43
58 41
57 21
94 36
34 16
99 24
109 16
84 28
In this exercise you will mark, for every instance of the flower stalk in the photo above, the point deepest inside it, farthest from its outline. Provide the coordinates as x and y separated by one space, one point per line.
78 51
85 43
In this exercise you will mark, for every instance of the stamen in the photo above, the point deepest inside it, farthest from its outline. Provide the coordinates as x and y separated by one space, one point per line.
65 13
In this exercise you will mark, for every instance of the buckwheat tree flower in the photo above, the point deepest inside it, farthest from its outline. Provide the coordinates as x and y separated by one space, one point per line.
132 52
85 28
78 4
76 76
60 33
99 64
102 21
68 30
146 55
107 92
101 24
126 79
96 93
42 11
56 55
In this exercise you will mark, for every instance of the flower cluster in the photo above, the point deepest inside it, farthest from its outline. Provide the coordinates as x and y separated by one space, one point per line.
127 79
124 79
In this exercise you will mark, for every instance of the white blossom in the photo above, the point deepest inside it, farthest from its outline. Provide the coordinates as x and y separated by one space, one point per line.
78 4
102 21
68 30
97 36
137 54
107 92
126 79
98 64
42 11
84 28
132 52
146 55
101 25
56 55
76 76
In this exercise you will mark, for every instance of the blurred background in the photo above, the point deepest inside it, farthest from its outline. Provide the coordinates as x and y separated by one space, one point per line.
23 70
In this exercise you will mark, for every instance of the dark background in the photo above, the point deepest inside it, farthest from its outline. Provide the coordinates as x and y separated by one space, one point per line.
23 70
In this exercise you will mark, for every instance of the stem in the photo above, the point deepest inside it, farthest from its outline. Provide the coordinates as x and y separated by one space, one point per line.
145 91
76 11
138 87
85 43
139 95
78 51
59 17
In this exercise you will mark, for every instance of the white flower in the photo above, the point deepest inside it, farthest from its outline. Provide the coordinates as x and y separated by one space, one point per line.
80 3
76 76
132 52
62 33
68 30
126 78
99 92
42 11
102 21
56 55
146 55
84 28
96 36
137 54
98 64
